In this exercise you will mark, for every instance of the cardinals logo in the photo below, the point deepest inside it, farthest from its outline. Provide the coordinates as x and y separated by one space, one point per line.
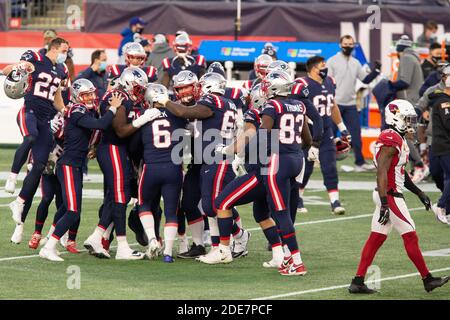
393 108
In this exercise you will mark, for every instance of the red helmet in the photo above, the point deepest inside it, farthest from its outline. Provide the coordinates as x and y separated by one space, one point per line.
342 149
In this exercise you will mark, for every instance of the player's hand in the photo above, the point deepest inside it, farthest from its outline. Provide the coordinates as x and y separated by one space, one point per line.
425 200
152 114
238 166
116 100
161 100
384 214
313 153
223 149
346 136
92 153
58 150
57 122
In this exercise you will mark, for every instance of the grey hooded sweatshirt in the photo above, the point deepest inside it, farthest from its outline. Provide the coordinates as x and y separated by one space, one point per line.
410 72
160 51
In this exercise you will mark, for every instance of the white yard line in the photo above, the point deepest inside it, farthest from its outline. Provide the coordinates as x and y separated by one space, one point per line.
297 293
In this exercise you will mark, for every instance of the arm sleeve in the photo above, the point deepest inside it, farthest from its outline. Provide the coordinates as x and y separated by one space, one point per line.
410 185
89 122
370 77
317 120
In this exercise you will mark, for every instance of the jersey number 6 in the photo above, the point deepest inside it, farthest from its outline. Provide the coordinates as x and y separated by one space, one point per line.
161 137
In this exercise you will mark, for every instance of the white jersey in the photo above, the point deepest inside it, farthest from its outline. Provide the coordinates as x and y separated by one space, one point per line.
396 172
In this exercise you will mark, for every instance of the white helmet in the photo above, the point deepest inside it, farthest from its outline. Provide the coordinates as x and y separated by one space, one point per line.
182 45
257 97
277 83
133 81
278 65
134 50
183 79
401 115
17 83
212 83
79 89
155 92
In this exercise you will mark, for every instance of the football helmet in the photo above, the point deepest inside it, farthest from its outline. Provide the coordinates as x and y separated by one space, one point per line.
17 83
153 93
217 68
133 81
181 82
276 83
278 65
133 52
212 83
257 99
342 149
401 115
84 92
182 45
261 64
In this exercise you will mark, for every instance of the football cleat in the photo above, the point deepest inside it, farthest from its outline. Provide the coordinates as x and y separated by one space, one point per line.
95 248
337 209
286 264
216 256
430 283
16 238
49 255
364 168
106 244
194 252
35 240
240 245
10 185
272 264
63 240
154 249
17 209
302 210
168 259
129 255
72 247
294 270
439 213
358 286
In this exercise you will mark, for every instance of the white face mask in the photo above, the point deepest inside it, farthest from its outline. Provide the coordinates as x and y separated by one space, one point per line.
61 57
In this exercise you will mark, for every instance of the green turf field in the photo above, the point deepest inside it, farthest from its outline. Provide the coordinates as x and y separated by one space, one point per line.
330 248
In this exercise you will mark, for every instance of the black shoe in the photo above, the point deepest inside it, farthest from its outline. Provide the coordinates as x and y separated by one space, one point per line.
430 283
358 286
194 252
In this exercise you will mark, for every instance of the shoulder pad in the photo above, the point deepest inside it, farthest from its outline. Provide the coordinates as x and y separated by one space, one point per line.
166 63
32 56
275 104
200 60
77 108
390 138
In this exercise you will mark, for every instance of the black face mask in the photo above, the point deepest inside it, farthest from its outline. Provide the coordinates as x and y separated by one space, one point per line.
139 30
323 73
436 59
347 50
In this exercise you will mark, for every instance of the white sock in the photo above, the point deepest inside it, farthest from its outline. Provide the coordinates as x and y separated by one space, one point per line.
20 200
122 243
13 176
334 195
196 229
287 252
107 233
98 234
213 227
170 233
148 222
51 243
297 258
277 253
50 232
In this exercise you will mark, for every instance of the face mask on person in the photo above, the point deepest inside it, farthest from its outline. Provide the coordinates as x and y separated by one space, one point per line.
323 73
347 50
61 57
102 66
435 59
139 30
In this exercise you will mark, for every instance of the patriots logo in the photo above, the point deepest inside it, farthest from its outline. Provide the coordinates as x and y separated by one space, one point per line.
76 86
393 108
137 74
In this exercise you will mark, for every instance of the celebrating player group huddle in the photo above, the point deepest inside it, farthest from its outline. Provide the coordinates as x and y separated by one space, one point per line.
205 149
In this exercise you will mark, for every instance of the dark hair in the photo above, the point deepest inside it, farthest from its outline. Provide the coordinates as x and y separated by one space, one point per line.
313 61
431 25
435 45
56 43
96 55
347 36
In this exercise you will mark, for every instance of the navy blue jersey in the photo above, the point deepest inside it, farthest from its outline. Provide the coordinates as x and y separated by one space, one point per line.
109 135
78 128
157 137
322 96
252 116
116 70
237 96
222 123
47 78
288 116
249 84
174 67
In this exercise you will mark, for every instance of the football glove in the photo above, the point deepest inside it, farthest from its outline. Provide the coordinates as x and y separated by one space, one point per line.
313 153
223 149
425 200
57 122
345 136
149 115
384 212
238 166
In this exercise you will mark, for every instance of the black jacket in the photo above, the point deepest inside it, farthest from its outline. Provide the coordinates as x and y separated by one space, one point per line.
440 104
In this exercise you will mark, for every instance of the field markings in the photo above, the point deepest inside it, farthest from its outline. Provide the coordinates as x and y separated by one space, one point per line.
250 229
297 293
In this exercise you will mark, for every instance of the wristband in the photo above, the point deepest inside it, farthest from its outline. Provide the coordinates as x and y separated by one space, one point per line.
384 201
341 126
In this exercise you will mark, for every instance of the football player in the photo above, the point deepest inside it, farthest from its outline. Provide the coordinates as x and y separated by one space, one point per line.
42 102
260 66
81 120
321 93
391 155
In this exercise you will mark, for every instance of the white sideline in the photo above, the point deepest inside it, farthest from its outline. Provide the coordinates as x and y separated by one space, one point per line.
297 293
250 229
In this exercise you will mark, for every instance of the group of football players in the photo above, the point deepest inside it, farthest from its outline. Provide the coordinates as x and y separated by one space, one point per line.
202 147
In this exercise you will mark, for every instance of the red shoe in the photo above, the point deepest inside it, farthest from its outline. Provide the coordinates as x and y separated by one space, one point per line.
72 247
105 244
286 264
294 270
34 241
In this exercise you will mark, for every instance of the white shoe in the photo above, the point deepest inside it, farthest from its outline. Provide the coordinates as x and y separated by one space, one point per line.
302 210
365 167
51 255
338 211
420 173
183 245
17 235
240 245
207 238
43 241
10 185
17 209
154 249
95 248
63 240
272 263
129 254
216 256
440 214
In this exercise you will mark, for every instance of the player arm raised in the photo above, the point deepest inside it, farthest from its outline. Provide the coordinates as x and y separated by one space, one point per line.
197 111
58 102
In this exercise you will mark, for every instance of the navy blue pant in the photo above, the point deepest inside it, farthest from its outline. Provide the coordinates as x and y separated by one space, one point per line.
327 157
161 179
27 123
350 116
116 168
192 194
50 189
436 170
40 151
71 180
444 201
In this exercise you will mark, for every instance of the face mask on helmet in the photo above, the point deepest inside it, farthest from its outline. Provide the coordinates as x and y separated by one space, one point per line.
134 60
187 93
89 99
277 83
261 64
182 45
411 123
